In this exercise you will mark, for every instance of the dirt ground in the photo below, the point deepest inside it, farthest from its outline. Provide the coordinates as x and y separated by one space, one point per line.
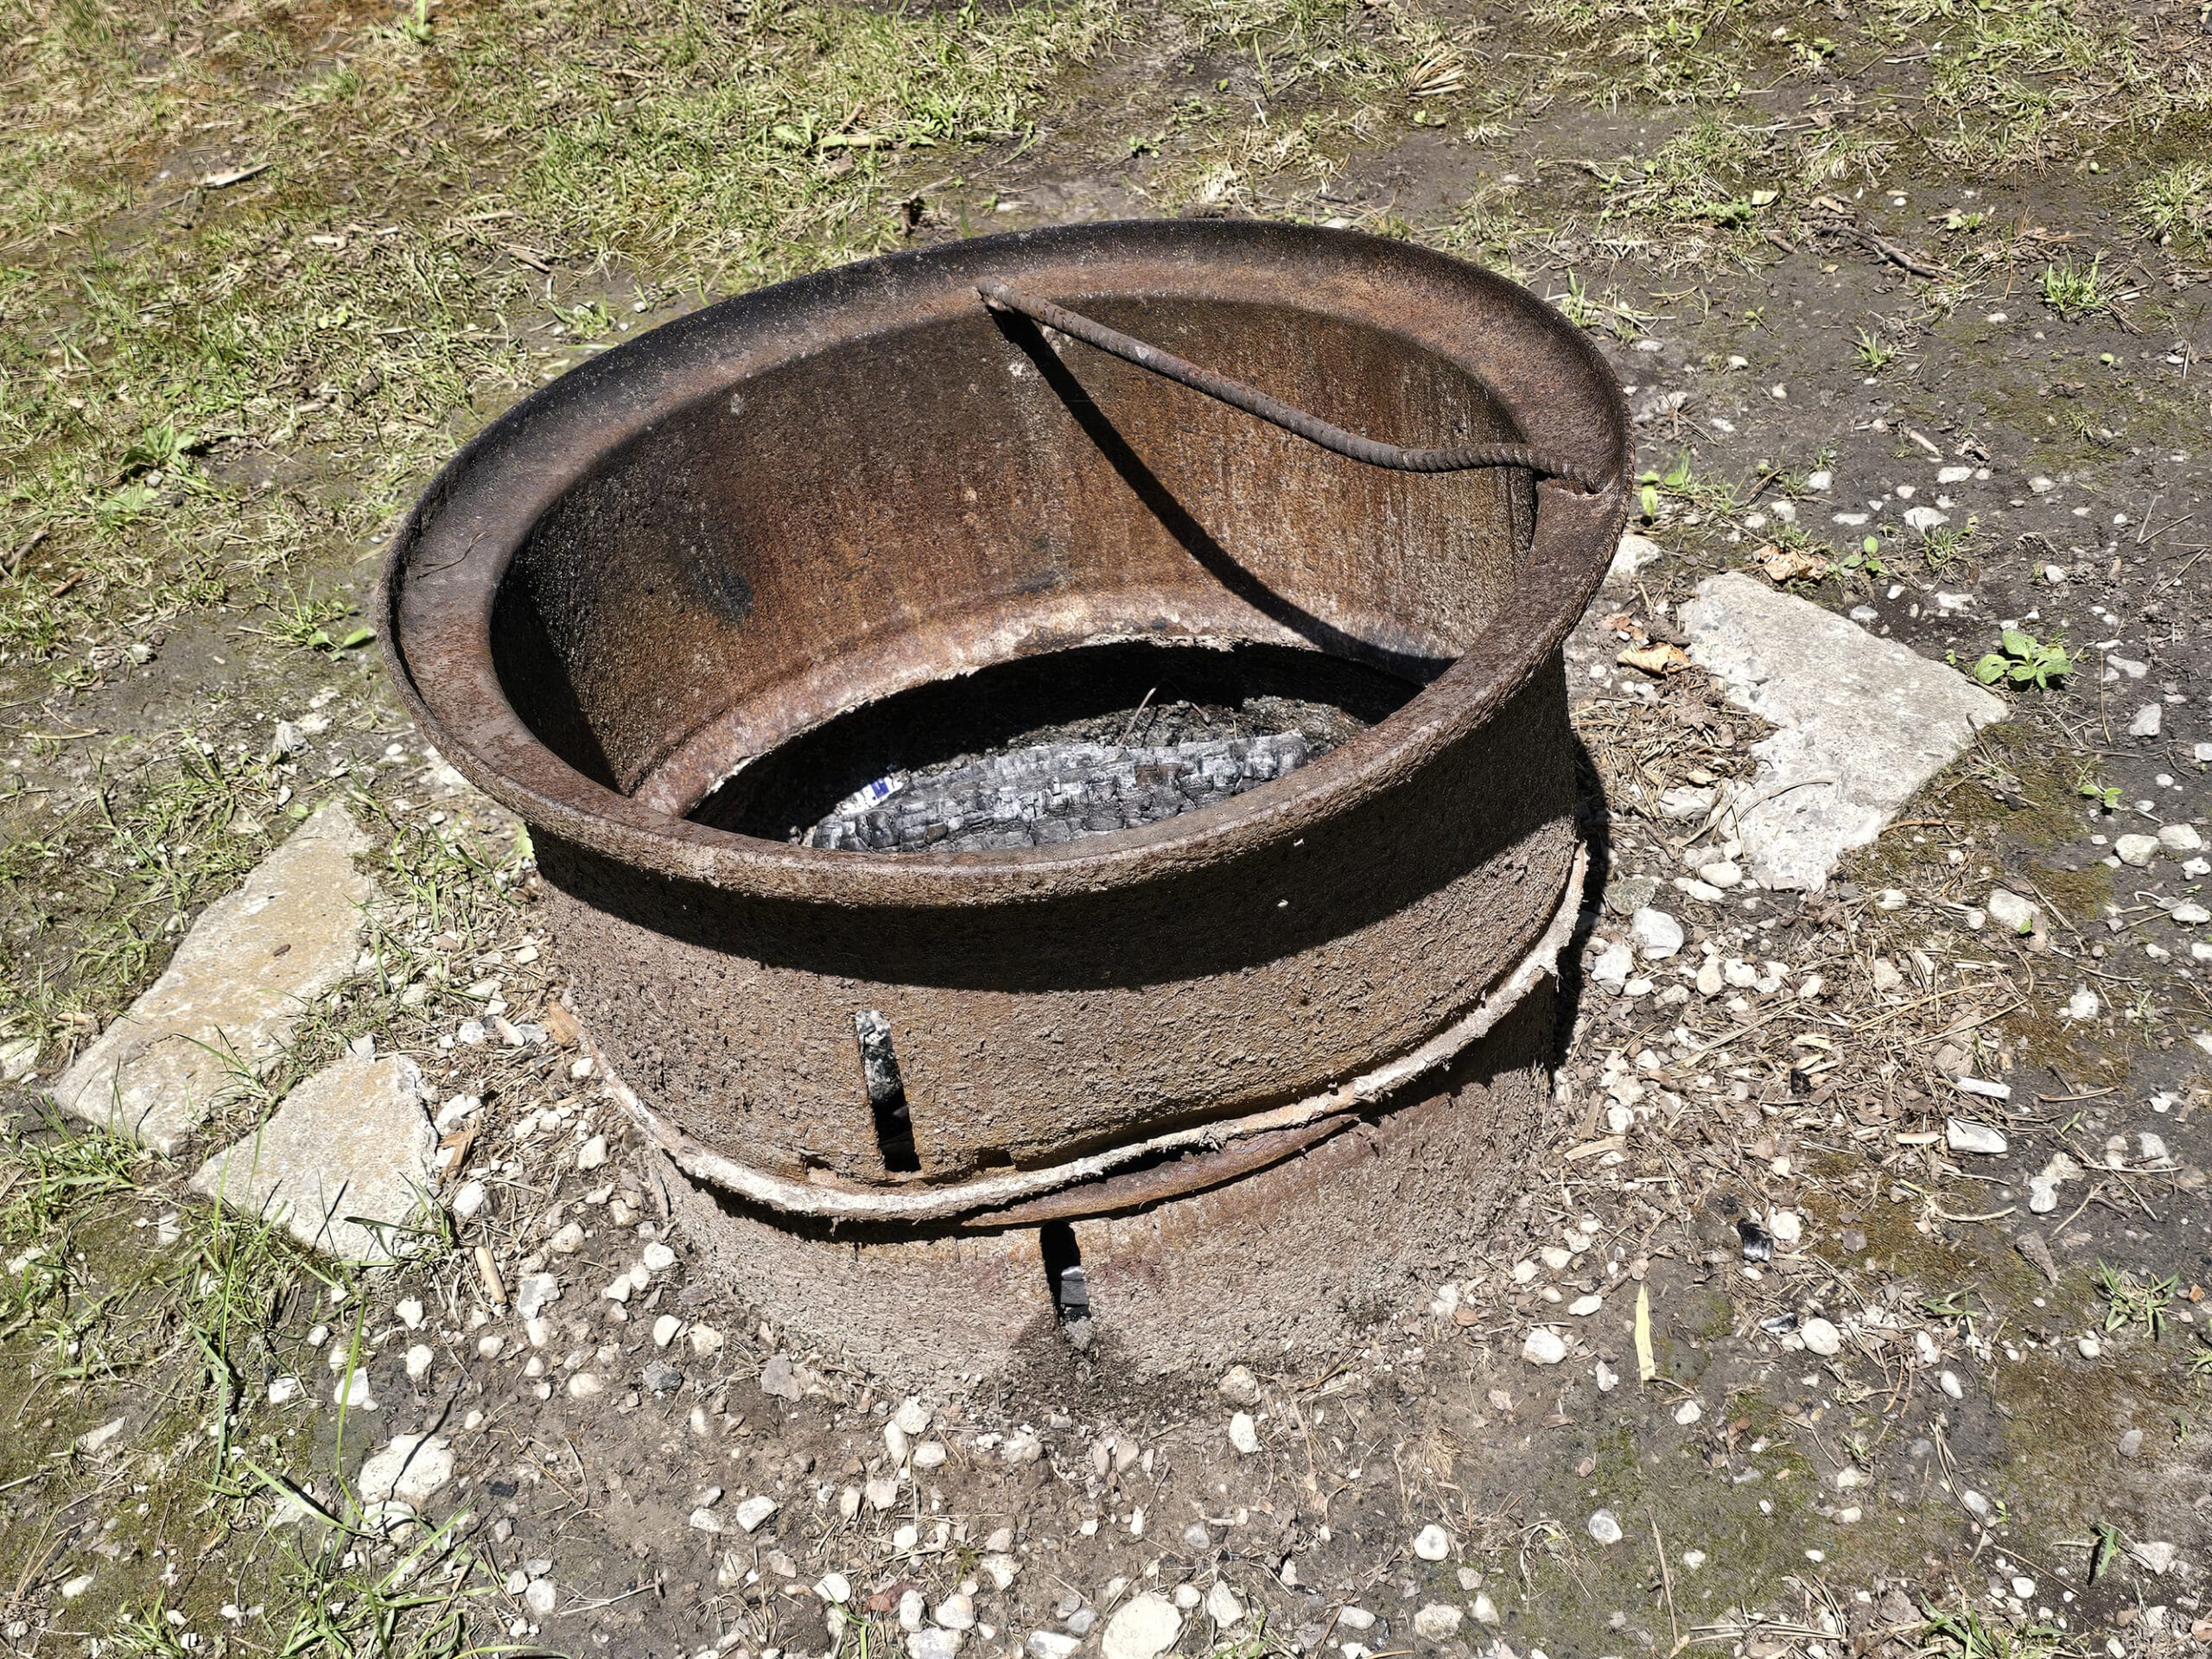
1831 1385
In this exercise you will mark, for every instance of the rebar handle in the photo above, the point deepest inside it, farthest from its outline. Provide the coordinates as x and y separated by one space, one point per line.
1458 459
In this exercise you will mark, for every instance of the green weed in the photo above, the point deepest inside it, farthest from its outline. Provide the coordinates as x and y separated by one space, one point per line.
2021 660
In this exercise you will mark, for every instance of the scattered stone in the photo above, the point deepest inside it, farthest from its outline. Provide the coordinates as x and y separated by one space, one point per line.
1144 1627
1544 1346
1948 1382
2043 1187
1222 1606
18 1059
1432 1543
1632 556
779 1378
1437 1622
94 1439
1239 1386
2189 913
538 1597
1688 1412
930 1643
1051 1644
1485 1610
2147 721
2011 912
234 990
2082 1004
2130 1443
410 1468
2031 1245
1820 1338
592 1154
1612 967
1963 1135
2157 1557
1630 894
1605 1526
2136 850
1657 935
585 1386
665 1329
2087 1346
754 1511
535 1291
420 1357
1243 1434
1863 723
347 1163
2180 839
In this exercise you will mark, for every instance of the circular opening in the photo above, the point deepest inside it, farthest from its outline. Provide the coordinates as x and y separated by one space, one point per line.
687 601
1052 749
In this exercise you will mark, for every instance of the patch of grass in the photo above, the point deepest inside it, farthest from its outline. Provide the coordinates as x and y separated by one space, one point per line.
1968 1634
2175 203
2131 1298
96 900
2021 82
1946 543
1872 353
307 622
2075 290
182 364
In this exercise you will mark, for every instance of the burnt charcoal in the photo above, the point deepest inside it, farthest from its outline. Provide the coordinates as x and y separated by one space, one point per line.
1051 792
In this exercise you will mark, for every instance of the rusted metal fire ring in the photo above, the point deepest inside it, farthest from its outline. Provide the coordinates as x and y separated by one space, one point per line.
812 499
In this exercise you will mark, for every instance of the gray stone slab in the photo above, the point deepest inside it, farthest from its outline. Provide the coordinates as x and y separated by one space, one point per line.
1862 722
350 1155
231 993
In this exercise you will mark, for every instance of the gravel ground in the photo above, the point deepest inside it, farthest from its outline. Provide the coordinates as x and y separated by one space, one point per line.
1858 1307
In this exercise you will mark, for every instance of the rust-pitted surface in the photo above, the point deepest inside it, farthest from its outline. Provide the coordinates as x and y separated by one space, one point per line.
797 502
1301 1253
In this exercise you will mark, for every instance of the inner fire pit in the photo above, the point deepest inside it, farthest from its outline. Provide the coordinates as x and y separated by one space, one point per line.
1047 837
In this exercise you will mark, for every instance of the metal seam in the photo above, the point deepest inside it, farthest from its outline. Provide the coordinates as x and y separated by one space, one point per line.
944 1204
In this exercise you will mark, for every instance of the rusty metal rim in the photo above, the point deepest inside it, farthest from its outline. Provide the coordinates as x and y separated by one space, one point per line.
1210 1152
488 741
